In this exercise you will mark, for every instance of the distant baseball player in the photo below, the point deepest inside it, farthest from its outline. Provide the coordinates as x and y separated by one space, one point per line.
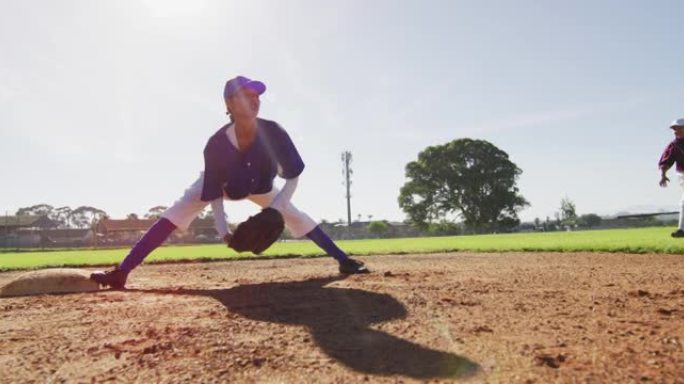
241 161
674 154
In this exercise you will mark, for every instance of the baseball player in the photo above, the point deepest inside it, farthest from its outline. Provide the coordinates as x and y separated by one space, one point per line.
241 161
674 154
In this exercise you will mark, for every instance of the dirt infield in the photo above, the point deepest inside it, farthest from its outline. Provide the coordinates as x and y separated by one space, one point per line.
499 318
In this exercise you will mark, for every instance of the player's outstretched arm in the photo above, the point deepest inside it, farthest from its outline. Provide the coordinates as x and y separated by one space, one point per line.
285 195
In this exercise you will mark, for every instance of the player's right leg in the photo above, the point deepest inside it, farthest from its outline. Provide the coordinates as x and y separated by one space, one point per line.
180 215
300 224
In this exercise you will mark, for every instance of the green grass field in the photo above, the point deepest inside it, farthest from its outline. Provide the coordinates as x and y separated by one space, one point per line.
641 240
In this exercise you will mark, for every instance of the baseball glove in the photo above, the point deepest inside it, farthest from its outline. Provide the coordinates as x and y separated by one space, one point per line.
258 232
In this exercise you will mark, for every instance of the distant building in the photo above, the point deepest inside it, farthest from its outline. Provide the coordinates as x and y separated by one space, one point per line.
359 230
659 216
202 230
667 216
121 231
11 224
67 237
641 220
128 231
23 230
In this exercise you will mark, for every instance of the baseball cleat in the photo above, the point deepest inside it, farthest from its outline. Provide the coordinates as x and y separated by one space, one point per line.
351 267
677 233
115 278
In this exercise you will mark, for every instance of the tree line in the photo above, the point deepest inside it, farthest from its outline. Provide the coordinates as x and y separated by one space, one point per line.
80 217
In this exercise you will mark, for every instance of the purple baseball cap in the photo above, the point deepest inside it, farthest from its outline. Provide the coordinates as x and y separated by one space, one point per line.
233 85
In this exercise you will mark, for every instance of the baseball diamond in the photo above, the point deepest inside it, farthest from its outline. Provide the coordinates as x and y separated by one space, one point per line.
453 317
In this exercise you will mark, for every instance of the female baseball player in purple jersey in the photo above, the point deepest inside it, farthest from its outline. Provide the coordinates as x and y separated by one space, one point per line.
241 161
674 154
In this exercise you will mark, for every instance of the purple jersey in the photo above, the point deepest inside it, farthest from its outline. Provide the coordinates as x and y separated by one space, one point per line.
673 153
250 172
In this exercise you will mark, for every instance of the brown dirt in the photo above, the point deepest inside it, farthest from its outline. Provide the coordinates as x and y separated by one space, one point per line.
499 318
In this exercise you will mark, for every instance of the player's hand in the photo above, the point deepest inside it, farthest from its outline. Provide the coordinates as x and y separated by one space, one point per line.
663 181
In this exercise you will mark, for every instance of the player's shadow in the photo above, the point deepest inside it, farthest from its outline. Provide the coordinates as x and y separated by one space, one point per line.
339 320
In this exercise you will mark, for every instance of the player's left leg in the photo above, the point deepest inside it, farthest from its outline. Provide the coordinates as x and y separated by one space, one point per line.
300 224
153 238
180 215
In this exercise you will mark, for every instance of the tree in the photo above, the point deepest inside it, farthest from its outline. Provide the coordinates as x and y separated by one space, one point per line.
86 217
378 228
469 178
61 216
443 228
132 216
155 212
35 210
589 220
567 214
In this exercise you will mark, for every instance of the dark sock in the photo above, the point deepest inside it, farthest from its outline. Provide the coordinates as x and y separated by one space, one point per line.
325 243
152 239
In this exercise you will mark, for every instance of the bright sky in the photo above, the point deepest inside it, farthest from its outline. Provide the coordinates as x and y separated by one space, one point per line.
110 103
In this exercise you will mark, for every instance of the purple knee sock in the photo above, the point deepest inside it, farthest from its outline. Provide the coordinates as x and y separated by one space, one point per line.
325 243
152 239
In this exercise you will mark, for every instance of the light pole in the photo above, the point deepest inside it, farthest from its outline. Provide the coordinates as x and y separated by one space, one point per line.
347 172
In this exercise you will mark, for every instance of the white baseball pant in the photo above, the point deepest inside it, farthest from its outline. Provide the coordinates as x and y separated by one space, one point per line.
186 209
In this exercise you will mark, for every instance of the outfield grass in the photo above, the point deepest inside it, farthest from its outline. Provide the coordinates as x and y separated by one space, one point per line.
639 240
